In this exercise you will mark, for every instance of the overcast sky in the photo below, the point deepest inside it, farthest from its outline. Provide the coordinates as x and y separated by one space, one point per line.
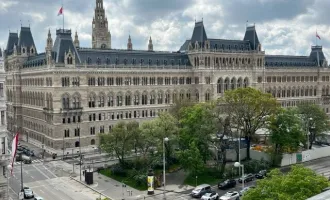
283 26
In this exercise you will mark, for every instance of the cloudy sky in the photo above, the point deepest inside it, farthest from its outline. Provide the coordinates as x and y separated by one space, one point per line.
283 26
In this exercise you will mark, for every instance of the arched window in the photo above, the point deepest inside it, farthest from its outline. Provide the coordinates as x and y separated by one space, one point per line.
119 99
128 99
92 142
226 84
110 100
160 97
220 86
91 100
246 82
101 100
144 98
65 101
152 99
136 98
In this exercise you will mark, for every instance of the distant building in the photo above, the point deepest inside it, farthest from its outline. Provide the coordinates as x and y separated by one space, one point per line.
69 91
4 156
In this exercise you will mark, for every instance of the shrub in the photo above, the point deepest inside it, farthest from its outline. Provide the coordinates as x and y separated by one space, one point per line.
141 179
118 170
254 166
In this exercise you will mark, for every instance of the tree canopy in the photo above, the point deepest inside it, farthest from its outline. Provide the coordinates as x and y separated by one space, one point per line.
315 119
247 109
298 184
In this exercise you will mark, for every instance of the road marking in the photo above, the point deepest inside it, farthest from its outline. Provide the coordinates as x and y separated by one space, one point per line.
26 171
32 177
41 172
50 171
41 191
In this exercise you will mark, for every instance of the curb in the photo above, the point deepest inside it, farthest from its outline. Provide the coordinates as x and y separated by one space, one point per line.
91 188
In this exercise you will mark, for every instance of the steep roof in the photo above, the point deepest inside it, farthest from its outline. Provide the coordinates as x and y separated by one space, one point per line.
25 38
12 40
64 43
252 37
296 61
199 33
132 58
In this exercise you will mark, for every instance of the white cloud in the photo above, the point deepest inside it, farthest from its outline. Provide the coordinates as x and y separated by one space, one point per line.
36 17
5 4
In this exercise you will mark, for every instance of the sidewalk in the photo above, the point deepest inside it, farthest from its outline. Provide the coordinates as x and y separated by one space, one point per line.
115 191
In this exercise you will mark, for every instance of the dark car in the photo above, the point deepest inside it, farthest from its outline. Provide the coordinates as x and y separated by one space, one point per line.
247 178
230 183
262 174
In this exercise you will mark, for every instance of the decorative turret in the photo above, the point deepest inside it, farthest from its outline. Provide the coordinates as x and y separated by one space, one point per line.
252 36
129 43
49 44
150 45
101 37
76 41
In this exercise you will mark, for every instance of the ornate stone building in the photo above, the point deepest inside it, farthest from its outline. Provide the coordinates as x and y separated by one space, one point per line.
4 157
69 92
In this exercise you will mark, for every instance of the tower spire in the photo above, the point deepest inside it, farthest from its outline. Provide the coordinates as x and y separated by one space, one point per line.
150 45
49 43
101 37
76 40
129 43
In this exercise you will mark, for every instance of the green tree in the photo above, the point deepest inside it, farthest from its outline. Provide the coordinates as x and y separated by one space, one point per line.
146 139
248 109
299 184
179 105
286 133
120 141
191 159
315 121
197 125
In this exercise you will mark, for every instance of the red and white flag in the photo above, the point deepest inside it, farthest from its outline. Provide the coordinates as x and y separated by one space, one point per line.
317 35
60 12
13 151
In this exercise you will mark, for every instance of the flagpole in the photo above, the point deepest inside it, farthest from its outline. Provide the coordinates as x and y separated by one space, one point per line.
63 16
316 37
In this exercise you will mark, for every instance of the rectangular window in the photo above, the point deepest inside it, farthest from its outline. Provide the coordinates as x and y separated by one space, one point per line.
92 130
3 145
160 81
196 80
101 129
2 118
79 119
73 119
63 120
1 89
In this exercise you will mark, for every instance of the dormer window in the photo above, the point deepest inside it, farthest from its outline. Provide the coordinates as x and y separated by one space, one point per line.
23 50
150 62
157 62
179 62
141 61
215 46
172 62
117 61
133 61
125 61
32 50
165 62
69 60
108 61
89 60
98 61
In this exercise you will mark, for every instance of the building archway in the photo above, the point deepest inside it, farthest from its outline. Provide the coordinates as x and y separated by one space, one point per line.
77 144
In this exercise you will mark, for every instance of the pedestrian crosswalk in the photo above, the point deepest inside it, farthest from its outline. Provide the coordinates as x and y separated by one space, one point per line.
33 162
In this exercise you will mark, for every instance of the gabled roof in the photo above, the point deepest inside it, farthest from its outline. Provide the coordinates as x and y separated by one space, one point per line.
25 39
64 43
252 37
12 40
199 33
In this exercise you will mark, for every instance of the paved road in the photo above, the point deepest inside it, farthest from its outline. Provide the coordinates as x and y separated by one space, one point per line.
48 183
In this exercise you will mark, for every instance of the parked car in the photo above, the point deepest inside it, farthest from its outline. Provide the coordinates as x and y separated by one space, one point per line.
261 174
232 195
28 193
230 183
200 190
247 178
210 196
25 159
244 190
29 152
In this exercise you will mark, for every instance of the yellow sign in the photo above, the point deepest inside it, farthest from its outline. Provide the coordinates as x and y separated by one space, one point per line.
150 183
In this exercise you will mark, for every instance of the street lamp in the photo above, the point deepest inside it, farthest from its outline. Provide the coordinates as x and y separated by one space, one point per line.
308 133
78 131
164 140
237 164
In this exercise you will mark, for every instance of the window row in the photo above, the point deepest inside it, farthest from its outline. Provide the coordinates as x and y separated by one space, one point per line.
281 79
66 81
71 102
231 84
134 61
107 81
279 92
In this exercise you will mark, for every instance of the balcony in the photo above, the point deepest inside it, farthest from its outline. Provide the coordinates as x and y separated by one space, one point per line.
77 110
48 110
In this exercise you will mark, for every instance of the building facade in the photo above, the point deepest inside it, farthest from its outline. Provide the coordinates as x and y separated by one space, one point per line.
5 154
64 97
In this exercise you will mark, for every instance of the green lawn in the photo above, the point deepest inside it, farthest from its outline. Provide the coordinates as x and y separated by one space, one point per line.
127 180
209 176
